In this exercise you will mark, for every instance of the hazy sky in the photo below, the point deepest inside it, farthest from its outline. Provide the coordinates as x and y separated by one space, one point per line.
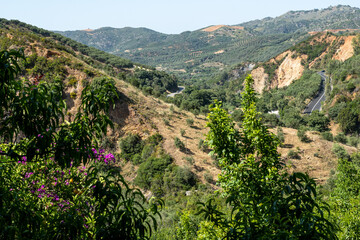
167 16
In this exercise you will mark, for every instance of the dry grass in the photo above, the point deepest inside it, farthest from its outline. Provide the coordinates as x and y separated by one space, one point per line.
317 158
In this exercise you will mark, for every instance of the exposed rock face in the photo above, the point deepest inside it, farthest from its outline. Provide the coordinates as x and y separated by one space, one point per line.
260 79
346 50
289 63
289 70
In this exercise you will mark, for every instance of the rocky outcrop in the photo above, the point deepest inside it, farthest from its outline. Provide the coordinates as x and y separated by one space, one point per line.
289 70
346 50
260 79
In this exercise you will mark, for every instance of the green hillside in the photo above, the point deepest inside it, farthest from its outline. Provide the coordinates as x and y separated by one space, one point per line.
32 38
336 17
199 54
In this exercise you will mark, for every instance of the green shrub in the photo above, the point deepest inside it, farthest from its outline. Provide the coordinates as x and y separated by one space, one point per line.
317 121
340 152
189 121
182 132
154 139
302 135
172 109
166 122
179 178
190 160
73 94
151 169
341 138
85 82
106 84
107 143
179 144
293 155
349 117
208 177
237 115
202 145
72 81
137 159
327 136
353 141
280 135
335 110
131 145
270 120
291 118
147 151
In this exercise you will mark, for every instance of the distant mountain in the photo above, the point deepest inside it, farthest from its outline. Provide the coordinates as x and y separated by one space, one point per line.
199 54
115 40
336 17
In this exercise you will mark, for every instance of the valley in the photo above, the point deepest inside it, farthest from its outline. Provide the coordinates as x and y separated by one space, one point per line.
109 132
201 54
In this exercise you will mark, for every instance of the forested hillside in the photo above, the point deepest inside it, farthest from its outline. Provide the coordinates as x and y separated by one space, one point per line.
198 55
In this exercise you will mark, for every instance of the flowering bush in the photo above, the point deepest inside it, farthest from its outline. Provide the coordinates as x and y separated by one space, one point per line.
54 182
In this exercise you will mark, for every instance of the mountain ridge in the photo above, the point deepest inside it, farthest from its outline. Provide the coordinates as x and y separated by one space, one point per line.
197 55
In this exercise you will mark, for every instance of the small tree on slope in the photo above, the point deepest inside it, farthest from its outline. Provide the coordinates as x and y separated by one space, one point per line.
266 201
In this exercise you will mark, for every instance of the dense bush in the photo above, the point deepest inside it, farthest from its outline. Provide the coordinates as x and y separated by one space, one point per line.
341 138
131 145
179 178
155 81
54 183
349 117
179 144
317 121
280 135
353 141
340 152
301 133
293 155
106 84
189 121
345 196
327 136
153 168
291 118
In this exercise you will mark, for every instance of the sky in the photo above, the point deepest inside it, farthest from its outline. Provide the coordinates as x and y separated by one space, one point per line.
166 16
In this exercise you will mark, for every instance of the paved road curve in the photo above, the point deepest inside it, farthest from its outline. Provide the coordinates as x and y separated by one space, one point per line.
315 104
180 89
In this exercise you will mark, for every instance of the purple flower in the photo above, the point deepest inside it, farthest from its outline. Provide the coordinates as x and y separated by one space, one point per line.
94 151
27 175
109 157
23 160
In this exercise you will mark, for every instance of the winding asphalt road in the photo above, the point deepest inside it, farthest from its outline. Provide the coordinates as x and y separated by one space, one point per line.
180 89
315 104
